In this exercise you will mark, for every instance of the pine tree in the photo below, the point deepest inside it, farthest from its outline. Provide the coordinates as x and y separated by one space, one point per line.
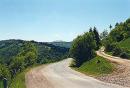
110 26
96 37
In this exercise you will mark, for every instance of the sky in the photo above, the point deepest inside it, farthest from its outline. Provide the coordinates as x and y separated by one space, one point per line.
50 20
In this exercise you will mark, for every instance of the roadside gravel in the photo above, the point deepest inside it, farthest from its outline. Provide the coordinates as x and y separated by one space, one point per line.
121 75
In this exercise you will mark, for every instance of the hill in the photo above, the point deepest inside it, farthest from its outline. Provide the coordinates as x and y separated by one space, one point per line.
117 42
45 50
17 55
62 44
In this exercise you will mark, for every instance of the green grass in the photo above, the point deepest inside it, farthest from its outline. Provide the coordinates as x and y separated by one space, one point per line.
97 66
1 84
109 53
19 80
125 44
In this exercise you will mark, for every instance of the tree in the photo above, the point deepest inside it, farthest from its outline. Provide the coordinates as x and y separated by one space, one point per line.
104 34
4 72
110 26
90 30
30 58
83 48
96 37
117 24
17 64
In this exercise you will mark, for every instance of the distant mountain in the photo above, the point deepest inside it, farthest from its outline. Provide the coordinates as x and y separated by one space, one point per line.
61 44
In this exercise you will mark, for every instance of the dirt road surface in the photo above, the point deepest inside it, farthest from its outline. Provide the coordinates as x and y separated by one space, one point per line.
121 76
60 75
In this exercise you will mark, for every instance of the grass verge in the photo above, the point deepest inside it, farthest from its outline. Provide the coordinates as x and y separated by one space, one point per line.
96 67
19 80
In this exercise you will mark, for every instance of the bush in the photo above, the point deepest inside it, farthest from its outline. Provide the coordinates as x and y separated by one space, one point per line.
82 48
124 55
116 51
4 72
109 47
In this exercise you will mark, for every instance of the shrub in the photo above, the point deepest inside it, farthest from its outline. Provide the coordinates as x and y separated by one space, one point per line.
116 51
82 48
124 55
109 47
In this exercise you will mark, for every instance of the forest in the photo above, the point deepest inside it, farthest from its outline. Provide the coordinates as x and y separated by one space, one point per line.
17 55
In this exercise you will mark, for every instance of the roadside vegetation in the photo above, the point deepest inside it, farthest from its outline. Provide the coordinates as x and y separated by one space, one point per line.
96 67
19 80
118 40
116 43
84 46
85 58
16 56
125 44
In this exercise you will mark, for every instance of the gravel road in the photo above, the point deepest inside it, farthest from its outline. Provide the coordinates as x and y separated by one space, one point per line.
60 75
121 75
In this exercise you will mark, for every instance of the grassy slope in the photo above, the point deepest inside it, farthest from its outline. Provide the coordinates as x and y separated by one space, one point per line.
125 43
93 68
19 80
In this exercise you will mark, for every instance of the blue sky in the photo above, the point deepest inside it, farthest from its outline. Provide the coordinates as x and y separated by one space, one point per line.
49 20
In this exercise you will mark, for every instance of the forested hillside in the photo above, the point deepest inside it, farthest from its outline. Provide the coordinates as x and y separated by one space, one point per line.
50 53
62 44
83 50
16 55
117 42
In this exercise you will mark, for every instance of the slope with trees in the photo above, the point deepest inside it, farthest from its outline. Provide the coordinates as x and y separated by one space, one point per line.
85 58
17 55
117 42
61 44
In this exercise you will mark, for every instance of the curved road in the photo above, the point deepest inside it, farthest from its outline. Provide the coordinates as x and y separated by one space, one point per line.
60 75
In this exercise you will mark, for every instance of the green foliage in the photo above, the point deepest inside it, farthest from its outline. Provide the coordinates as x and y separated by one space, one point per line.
118 40
30 58
116 51
97 38
96 66
121 31
83 48
104 35
17 64
50 53
61 44
4 72
18 81
124 55
125 44
109 45
17 55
